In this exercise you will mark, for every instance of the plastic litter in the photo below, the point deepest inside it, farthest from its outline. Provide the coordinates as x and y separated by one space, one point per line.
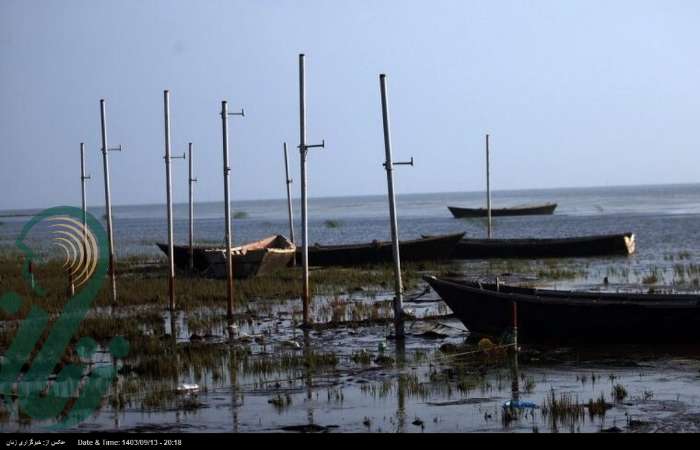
519 404
245 337
409 313
184 387
291 344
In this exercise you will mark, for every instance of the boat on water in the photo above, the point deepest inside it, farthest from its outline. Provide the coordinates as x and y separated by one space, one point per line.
255 258
570 247
526 210
561 317
426 249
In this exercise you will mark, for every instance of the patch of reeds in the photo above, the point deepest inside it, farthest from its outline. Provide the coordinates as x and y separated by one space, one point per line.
651 278
281 402
563 409
362 357
618 393
529 385
598 407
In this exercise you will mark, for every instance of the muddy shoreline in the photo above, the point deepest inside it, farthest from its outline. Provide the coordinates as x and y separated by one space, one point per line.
346 374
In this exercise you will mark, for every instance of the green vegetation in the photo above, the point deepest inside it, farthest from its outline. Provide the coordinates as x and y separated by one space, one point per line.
150 375
564 409
619 393
141 282
281 402
530 384
652 278
598 407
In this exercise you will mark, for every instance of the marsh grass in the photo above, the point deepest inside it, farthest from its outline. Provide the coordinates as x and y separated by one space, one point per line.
652 278
618 393
362 357
142 282
563 409
598 407
281 402
545 269
159 397
150 373
529 385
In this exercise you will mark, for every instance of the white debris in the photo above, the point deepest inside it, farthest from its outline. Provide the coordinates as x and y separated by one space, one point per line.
409 313
184 387
291 344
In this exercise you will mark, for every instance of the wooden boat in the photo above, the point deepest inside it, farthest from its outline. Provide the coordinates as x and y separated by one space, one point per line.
255 258
559 317
182 256
571 247
544 209
433 248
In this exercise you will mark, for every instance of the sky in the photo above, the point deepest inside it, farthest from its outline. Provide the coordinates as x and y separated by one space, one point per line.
573 93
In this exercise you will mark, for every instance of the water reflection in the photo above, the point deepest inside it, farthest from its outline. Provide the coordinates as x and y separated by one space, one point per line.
308 377
400 354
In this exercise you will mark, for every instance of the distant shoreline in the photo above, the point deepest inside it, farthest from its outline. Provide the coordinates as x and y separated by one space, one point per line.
6 216
27 212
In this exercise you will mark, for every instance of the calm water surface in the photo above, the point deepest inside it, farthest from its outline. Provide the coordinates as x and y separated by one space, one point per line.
664 218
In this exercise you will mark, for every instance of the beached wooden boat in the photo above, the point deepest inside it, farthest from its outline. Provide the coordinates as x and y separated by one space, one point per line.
255 258
182 256
559 317
433 248
530 210
571 247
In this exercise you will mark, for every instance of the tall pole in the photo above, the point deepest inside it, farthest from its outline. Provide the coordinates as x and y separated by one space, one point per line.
83 179
303 150
288 181
191 182
108 201
304 218
389 166
227 212
488 188
169 198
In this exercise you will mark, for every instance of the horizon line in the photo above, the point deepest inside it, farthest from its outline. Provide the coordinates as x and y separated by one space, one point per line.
377 195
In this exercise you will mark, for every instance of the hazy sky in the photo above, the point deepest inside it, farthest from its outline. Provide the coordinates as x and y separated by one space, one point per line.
574 93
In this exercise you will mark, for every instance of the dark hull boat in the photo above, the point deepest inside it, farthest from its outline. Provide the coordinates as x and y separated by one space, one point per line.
560 317
256 258
182 256
572 247
433 248
545 209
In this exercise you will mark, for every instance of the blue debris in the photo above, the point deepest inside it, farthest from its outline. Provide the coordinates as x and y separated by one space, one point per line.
519 404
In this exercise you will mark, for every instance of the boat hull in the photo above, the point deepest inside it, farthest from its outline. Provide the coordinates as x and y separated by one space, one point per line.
182 256
585 318
515 211
251 264
427 249
584 246
257 258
